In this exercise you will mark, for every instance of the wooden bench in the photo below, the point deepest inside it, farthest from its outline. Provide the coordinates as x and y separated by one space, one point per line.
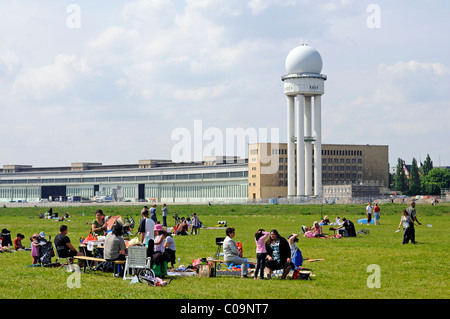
98 260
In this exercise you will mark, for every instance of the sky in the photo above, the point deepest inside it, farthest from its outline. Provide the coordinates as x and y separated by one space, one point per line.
115 82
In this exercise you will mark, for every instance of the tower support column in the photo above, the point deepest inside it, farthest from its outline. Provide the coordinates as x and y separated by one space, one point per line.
291 145
300 145
318 145
308 147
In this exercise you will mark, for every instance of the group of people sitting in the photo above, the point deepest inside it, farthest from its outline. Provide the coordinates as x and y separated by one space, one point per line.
51 215
183 225
344 226
275 253
160 245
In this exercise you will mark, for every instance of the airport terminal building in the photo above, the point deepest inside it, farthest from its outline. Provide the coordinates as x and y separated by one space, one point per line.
150 180
216 179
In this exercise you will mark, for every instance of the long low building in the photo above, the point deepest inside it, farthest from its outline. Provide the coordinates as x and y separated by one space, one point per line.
160 181
216 179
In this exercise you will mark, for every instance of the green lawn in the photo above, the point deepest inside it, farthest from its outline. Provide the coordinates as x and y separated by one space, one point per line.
406 271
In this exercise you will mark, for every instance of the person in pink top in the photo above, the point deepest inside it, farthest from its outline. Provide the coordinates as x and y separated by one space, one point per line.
261 252
318 230
35 248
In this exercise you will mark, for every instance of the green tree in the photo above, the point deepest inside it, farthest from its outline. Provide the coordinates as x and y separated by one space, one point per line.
400 177
427 165
414 186
435 181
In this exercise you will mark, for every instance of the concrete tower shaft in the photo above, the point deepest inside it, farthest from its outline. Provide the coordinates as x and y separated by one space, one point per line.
305 84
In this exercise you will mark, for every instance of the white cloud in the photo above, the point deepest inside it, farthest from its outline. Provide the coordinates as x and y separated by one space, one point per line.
402 69
257 6
170 62
49 80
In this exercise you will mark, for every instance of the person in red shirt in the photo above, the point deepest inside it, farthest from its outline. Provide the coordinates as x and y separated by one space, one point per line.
18 242
376 216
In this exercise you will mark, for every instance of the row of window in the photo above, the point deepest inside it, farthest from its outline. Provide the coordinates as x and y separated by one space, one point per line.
151 191
127 178
331 160
9 193
324 152
342 168
197 191
329 176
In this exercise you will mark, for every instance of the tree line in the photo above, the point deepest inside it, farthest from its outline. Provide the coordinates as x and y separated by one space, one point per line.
426 180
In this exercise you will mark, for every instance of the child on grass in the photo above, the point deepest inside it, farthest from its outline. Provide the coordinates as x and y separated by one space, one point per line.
261 252
35 248
18 242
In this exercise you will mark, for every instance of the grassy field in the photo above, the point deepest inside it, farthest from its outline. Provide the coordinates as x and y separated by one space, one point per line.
406 271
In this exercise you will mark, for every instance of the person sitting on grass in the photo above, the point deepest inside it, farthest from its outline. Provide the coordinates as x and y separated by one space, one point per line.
183 227
348 226
317 230
18 242
231 252
278 255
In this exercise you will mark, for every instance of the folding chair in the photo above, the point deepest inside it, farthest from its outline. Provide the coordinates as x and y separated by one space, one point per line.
136 258
64 261
219 243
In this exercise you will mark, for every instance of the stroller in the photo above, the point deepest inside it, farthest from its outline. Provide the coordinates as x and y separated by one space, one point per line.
46 252
6 238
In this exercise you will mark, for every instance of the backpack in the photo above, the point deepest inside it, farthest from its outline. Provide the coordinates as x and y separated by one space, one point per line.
298 258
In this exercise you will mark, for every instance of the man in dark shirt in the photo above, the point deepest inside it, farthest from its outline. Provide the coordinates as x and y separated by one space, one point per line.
411 211
63 246
349 227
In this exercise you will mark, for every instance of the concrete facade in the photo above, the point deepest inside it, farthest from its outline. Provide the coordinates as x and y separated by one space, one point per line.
341 164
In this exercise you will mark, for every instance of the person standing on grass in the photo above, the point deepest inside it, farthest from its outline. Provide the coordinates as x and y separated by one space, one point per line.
35 248
195 224
411 210
153 213
164 215
369 213
406 221
231 252
261 252
376 214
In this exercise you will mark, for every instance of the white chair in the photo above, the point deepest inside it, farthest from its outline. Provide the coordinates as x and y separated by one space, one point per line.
136 259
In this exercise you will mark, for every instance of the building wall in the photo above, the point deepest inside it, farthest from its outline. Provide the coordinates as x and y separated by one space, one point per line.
341 164
225 182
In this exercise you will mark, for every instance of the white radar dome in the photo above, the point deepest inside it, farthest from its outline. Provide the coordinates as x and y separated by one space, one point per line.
303 59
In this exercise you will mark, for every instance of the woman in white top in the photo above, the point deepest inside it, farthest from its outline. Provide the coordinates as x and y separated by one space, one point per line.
405 220
170 249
